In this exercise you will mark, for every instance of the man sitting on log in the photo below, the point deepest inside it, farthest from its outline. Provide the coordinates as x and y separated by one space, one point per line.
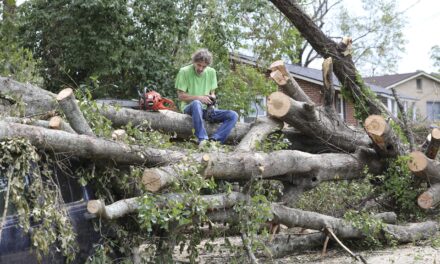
195 84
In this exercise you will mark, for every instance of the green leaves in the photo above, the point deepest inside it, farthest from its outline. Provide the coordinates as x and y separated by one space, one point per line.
34 196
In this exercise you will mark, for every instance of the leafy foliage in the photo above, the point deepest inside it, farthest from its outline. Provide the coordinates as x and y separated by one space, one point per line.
400 185
242 88
36 196
16 62
335 198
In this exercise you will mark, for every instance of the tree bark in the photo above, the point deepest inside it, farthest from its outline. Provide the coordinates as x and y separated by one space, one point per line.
166 121
434 144
430 198
258 132
285 165
287 83
385 141
38 101
66 99
291 217
89 147
124 207
424 167
310 121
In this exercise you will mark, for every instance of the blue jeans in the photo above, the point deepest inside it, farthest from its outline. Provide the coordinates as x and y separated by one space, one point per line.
228 118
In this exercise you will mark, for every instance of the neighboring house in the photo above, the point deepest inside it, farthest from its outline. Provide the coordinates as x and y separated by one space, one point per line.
420 85
310 80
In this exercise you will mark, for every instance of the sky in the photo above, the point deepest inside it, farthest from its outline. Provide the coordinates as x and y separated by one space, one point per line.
422 31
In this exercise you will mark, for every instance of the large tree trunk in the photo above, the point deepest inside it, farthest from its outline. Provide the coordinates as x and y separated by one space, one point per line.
38 101
166 121
285 165
89 147
316 123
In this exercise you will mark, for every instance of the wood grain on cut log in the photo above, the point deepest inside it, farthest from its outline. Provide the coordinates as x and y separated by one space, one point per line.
385 141
93 148
430 198
58 123
260 129
286 165
66 99
424 167
434 144
287 83
314 123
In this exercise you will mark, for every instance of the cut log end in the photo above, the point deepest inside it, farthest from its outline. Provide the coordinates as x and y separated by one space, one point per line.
119 134
425 200
65 93
206 158
278 77
151 180
95 207
435 134
279 65
375 125
55 122
278 104
417 162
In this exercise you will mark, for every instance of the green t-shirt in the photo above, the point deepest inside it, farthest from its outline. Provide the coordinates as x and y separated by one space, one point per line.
190 82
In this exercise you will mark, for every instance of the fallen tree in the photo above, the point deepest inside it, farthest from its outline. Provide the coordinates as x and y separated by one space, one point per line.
340 153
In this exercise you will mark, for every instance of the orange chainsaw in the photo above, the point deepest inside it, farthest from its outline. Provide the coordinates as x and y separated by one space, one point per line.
153 101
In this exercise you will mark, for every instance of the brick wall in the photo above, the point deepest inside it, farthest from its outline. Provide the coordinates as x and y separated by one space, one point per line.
314 92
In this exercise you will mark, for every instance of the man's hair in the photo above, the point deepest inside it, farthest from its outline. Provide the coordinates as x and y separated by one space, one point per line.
202 55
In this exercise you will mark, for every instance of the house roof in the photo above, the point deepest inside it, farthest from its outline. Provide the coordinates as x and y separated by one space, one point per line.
315 76
389 81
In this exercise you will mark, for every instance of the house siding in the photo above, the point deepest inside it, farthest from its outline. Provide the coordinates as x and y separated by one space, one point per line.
430 92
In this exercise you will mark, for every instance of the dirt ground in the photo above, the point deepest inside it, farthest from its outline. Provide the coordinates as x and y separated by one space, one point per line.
402 254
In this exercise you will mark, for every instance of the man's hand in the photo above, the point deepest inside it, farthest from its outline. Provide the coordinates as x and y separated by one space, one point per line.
205 99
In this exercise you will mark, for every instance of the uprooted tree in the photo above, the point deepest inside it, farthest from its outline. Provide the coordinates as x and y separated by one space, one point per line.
174 188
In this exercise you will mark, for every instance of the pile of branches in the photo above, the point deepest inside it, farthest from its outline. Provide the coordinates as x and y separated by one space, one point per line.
323 148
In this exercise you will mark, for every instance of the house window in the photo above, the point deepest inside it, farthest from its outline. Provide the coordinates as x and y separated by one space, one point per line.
392 106
258 109
419 84
340 106
433 110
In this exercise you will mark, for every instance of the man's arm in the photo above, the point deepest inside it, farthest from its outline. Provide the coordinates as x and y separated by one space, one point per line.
188 98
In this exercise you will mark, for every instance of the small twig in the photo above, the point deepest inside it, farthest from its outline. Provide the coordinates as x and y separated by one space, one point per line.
406 129
329 231
324 249
248 249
